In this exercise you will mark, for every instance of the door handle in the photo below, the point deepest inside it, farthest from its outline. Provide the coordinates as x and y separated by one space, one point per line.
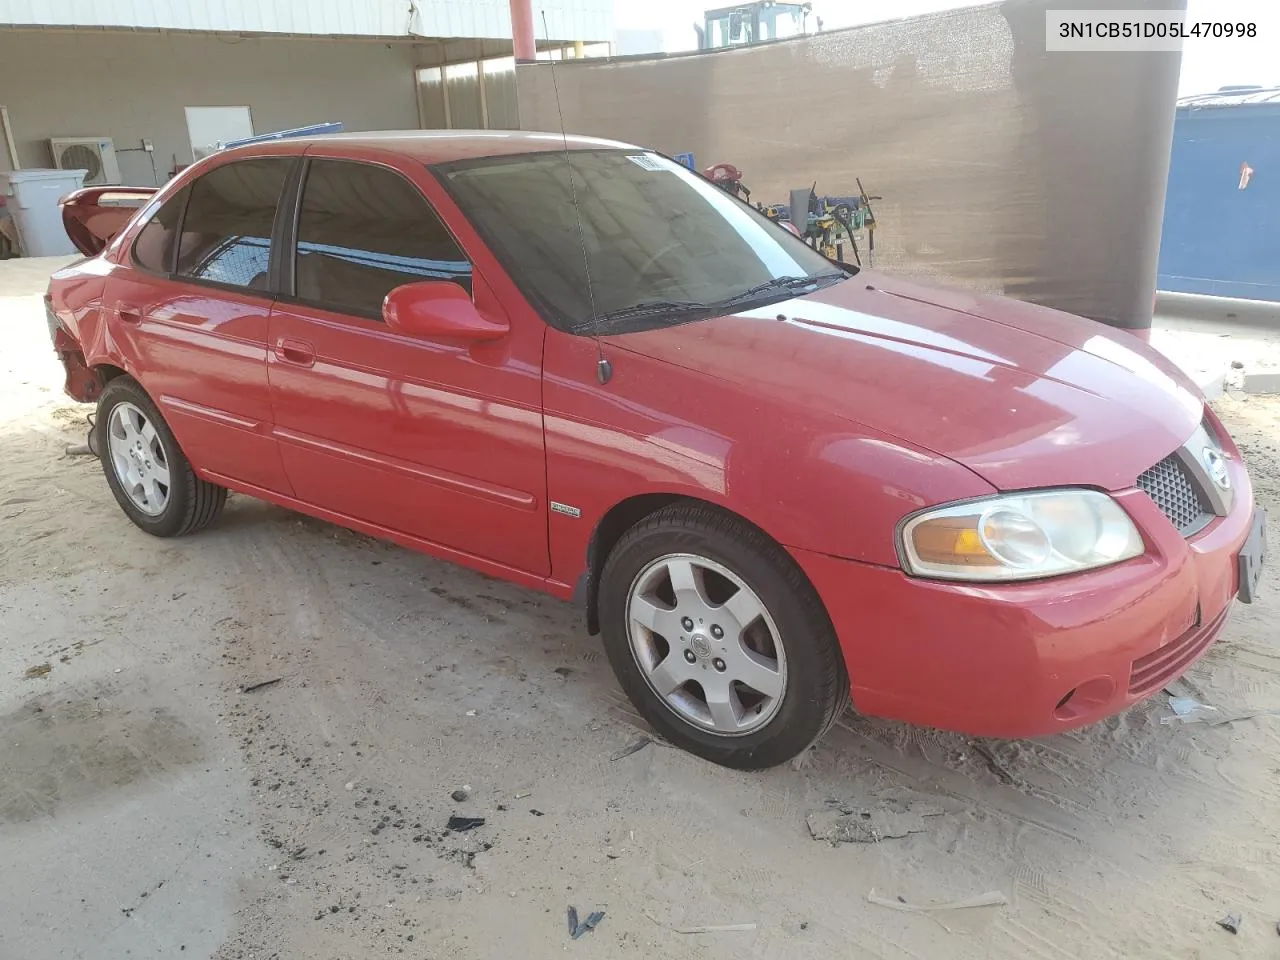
297 352
130 315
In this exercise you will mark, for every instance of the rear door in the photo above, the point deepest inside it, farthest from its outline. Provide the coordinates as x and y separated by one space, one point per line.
436 439
193 299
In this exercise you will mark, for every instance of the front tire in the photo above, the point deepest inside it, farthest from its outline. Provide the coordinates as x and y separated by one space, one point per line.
718 638
148 473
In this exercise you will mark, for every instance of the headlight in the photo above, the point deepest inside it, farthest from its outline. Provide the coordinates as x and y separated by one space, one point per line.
1019 537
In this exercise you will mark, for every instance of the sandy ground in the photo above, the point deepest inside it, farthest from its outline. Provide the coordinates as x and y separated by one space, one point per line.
1219 354
148 808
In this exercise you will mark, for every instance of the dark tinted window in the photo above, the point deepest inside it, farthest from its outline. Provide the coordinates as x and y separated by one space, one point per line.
153 250
226 236
653 232
365 230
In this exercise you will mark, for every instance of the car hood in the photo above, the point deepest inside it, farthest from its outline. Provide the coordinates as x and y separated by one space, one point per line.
1022 395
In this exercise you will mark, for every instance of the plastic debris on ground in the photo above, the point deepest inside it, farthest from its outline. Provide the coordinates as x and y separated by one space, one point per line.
1231 923
463 824
634 747
993 898
1188 710
249 688
578 928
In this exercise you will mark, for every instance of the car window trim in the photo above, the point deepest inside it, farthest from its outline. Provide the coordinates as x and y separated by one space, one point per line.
287 290
280 266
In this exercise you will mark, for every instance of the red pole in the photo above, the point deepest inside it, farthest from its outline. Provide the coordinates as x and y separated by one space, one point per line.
522 29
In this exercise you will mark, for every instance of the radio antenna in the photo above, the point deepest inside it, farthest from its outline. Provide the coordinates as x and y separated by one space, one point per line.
604 369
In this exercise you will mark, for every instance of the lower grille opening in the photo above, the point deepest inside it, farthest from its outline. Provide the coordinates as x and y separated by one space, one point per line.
1159 667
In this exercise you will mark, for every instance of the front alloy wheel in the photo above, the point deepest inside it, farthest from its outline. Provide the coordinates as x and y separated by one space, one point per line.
706 644
719 639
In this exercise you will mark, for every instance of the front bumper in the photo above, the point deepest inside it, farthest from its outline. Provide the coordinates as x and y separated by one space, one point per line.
1030 659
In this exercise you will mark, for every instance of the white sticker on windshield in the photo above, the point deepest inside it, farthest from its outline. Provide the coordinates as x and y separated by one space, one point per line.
646 161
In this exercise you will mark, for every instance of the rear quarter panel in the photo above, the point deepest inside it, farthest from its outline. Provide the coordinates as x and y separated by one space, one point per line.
76 292
76 299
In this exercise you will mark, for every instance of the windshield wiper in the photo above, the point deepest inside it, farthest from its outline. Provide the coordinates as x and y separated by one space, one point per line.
650 308
778 284
646 308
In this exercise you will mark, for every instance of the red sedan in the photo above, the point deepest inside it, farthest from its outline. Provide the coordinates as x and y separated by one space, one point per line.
774 482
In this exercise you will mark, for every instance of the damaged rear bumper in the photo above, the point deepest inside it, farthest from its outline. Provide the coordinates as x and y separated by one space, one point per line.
81 382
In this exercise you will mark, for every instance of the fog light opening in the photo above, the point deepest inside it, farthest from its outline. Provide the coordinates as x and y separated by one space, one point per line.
1085 699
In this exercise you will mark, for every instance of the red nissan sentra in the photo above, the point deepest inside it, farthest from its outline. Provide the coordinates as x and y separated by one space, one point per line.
774 482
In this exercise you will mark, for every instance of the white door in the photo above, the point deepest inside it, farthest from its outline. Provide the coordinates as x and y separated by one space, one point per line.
209 125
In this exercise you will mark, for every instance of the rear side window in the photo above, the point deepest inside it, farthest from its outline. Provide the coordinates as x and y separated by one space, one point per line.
364 230
158 241
226 234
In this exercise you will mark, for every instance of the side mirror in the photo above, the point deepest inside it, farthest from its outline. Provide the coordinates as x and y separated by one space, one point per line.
438 308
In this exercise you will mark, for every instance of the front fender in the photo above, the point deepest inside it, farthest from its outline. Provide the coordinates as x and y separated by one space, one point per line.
808 478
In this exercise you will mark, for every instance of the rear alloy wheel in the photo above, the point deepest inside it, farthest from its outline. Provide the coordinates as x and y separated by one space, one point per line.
138 459
146 469
718 638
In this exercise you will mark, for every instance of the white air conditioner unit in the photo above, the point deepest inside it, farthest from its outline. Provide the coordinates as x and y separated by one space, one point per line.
95 154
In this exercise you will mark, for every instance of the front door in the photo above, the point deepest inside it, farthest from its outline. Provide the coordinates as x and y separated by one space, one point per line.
438 440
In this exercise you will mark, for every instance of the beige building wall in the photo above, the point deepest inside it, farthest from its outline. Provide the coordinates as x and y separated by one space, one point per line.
1002 167
130 86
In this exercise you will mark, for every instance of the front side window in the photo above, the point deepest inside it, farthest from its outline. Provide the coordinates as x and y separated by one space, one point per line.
226 234
364 230
662 244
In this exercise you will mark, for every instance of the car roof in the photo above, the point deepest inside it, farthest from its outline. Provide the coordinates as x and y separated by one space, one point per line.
440 146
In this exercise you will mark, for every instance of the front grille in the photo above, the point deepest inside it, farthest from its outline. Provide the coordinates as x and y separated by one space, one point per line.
1170 485
1162 666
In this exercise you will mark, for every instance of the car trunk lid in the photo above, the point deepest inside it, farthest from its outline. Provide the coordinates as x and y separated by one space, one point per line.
94 215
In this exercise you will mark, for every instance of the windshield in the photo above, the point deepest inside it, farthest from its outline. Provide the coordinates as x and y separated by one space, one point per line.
663 245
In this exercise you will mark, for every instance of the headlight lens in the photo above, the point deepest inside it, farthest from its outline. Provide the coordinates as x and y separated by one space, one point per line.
1019 537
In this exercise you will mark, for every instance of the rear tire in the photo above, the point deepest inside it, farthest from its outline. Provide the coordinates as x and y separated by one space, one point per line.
718 638
147 471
